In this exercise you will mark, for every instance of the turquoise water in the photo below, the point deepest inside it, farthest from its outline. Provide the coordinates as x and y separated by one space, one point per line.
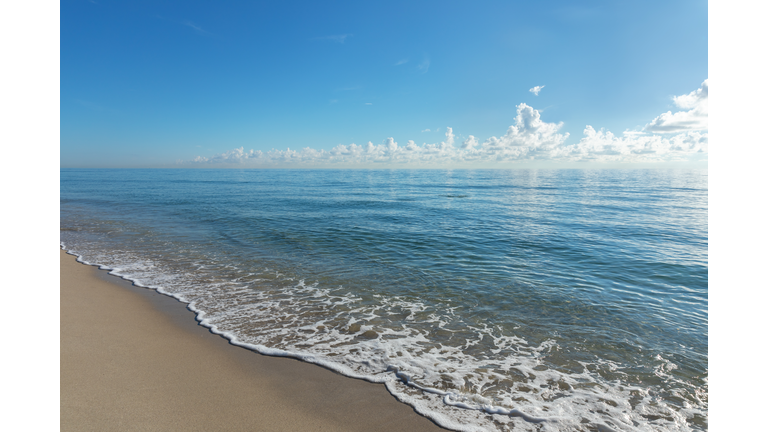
487 299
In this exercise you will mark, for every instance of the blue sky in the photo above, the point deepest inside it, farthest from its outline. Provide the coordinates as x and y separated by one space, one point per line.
147 84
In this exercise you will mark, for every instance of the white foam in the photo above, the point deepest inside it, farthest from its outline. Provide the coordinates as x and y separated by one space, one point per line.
443 382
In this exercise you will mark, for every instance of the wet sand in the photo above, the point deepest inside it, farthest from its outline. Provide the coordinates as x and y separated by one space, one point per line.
133 359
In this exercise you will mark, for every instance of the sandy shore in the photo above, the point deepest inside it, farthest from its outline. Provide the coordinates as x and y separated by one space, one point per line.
133 359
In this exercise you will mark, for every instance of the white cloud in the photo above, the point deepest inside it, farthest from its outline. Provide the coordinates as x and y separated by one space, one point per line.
469 143
193 25
604 146
536 90
368 103
340 38
528 138
423 67
401 62
695 118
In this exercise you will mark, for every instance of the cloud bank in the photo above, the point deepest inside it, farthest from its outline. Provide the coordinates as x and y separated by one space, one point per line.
695 118
529 139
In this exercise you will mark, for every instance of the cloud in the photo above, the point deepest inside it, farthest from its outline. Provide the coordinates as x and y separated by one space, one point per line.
368 103
401 62
604 146
469 143
195 27
340 38
529 138
536 90
695 118
423 67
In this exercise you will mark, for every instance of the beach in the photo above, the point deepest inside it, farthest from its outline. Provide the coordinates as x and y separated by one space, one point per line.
134 359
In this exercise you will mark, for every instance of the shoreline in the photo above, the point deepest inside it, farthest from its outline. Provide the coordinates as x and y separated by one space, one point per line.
134 359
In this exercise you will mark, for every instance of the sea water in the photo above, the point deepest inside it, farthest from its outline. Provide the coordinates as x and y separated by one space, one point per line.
555 300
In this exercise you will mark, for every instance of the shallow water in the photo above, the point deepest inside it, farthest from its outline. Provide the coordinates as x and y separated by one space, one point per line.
575 297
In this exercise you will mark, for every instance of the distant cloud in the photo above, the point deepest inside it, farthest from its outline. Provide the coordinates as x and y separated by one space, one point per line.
333 101
695 118
469 143
368 103
423 67
195 27
536 90
528 138
604 146
401 62
340 38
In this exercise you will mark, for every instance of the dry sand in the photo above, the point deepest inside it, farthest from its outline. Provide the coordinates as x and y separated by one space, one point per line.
133 359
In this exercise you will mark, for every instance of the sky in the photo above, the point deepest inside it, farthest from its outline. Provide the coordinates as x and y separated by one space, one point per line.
491 84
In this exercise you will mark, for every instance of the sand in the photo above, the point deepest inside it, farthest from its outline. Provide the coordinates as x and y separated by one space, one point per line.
133 359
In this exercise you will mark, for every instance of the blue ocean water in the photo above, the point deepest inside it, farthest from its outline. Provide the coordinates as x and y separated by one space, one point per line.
487 299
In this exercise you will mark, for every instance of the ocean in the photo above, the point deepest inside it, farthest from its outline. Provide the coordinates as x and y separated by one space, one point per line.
494 300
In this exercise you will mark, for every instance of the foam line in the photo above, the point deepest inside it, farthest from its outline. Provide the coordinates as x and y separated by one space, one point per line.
448 398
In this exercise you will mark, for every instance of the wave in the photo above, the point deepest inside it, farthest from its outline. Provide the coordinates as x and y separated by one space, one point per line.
465 376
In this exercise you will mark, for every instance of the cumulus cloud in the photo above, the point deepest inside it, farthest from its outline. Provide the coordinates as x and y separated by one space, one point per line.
536 90
528 138
469 143
696 116
604 146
